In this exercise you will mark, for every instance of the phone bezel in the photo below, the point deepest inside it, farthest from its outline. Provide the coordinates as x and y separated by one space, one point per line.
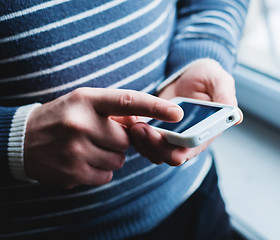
205 129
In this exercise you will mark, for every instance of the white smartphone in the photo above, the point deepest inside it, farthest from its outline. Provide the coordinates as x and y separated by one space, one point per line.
202 121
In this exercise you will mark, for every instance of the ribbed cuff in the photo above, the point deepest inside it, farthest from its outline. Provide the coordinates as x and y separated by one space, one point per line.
16 142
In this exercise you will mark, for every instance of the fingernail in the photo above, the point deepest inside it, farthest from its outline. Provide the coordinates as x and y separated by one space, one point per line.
135 119
175 112
141 132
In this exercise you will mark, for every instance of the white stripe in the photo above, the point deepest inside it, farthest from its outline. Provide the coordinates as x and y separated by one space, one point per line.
231 7
31 9
139 74
209 20
63 22
132 157
94 190
85 36
203 172
124 194
93 54
145 70
193 187
153 85
103 187
201 35
235 9
21 234
94 75
163 174
219 15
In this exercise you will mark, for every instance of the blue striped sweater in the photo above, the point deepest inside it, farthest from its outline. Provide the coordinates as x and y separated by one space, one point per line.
49 48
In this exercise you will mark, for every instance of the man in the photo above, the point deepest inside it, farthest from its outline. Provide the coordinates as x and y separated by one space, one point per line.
69 167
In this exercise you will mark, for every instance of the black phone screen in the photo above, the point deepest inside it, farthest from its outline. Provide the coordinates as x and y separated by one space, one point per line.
193 114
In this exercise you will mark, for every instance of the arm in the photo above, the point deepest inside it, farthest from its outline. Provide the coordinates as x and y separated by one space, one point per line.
207 29
73 140
12 128
203 51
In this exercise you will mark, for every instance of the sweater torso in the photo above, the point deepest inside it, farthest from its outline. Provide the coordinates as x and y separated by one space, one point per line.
48 49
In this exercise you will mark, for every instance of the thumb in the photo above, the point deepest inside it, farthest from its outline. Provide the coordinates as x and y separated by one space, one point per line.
226 96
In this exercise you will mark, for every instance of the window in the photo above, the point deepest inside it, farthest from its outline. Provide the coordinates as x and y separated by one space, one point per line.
258 72
247 156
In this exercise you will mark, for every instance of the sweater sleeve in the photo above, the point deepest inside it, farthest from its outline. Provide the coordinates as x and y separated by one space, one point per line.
206 29
12 131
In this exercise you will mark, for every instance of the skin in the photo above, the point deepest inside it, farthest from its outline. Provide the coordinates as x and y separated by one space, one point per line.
81 137
73 140
205 79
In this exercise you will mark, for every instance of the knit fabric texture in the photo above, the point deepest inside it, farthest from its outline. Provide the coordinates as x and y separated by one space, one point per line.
50 48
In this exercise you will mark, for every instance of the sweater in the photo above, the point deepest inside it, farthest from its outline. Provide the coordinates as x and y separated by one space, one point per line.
48 49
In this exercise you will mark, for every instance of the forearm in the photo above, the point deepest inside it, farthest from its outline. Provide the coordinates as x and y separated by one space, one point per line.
207 29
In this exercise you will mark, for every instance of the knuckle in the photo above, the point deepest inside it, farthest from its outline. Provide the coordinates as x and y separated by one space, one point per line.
114 162
230 80
126 99
105 178
75 150
108 177
78 94
119 162
73 123
156 108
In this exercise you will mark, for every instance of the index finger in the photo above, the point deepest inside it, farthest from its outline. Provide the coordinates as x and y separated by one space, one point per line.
120 102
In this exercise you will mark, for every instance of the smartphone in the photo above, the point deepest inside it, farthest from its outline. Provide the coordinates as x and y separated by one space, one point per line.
202 121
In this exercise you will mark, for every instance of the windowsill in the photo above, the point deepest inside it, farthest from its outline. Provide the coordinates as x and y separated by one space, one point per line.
258 93
248 156
248 164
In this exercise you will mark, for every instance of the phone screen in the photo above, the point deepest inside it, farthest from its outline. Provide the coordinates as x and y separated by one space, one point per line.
193 114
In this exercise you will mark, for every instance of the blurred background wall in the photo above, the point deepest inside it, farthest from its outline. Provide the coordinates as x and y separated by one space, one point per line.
248 155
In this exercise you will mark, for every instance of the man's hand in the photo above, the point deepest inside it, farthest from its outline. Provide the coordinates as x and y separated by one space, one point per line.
74 140
206 80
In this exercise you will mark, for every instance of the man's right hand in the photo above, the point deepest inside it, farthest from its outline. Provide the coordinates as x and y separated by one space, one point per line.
73 141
